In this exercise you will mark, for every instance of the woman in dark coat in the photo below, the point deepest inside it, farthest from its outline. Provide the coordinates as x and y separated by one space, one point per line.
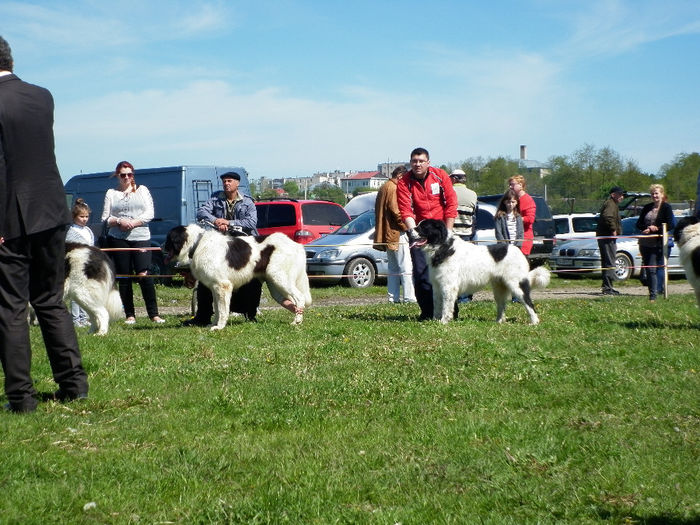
651 220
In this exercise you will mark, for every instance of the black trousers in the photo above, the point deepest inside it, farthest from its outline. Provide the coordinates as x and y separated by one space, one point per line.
133 262
32 269
245 300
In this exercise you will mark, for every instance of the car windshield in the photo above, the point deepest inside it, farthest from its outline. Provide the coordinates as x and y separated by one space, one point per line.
585 224
561 225
359 224
629 226
321 213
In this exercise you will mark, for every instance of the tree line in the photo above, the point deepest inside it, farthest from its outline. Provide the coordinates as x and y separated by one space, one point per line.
581 181
578 182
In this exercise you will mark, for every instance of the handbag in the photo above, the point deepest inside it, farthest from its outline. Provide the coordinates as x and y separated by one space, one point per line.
102 239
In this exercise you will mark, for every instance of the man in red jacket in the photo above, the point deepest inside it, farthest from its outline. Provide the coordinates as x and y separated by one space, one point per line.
425 192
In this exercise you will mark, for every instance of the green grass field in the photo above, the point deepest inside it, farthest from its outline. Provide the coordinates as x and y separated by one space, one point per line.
363 415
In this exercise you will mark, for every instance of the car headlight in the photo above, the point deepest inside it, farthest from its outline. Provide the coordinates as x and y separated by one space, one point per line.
589 253
333 253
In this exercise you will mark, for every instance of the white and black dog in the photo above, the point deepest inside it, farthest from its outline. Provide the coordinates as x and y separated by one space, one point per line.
458 267
687 237
90 283
224 263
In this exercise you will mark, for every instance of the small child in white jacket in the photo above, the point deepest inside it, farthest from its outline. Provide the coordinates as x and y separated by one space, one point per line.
80 233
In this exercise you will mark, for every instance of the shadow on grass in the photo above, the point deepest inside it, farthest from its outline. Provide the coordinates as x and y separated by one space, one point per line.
369 316
656 323
620 516
413 317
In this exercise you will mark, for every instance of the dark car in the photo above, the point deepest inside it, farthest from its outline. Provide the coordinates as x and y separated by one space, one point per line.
300 220
543 228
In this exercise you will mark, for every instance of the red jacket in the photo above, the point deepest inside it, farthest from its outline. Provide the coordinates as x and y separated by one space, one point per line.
431 198
528 209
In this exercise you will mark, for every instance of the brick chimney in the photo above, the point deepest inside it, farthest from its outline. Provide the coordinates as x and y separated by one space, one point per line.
523 152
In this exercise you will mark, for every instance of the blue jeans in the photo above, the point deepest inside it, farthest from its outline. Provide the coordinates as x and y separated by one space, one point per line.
653 256
421 283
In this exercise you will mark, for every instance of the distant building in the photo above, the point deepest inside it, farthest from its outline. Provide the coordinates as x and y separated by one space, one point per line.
385 168
532 166
362 180
329 177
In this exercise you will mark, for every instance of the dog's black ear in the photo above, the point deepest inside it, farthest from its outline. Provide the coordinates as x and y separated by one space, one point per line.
682 224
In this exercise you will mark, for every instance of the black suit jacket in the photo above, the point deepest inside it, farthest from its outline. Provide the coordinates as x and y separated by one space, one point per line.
32 198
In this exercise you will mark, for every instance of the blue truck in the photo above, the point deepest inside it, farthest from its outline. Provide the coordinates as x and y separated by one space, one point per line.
177 192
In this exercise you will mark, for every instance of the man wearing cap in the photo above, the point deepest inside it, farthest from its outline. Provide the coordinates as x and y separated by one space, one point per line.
609 226
232 209
466 206
226 211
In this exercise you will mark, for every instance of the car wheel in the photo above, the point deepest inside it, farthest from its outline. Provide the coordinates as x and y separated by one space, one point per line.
623 267
360 273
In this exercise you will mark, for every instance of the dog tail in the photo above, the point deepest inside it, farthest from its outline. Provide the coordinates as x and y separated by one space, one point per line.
114 305
539 277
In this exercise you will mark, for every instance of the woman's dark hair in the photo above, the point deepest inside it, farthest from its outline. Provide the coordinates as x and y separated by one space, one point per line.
508 195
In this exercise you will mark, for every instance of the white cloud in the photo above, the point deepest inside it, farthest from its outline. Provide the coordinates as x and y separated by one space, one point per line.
611 27
206 122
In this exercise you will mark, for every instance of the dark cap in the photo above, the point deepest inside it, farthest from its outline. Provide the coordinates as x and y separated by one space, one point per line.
616 189
230 175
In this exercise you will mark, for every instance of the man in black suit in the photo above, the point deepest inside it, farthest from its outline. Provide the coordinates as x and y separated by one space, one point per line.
33 219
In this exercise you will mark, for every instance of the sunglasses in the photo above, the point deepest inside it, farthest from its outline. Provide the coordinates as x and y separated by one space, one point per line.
125 175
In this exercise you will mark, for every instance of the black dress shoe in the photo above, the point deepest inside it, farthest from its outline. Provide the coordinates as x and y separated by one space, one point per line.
24 409
195 322
610 292
66 397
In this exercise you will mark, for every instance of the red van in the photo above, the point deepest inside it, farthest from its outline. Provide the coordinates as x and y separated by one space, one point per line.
301 220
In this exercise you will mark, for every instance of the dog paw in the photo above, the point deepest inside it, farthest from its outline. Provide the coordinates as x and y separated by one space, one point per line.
215 327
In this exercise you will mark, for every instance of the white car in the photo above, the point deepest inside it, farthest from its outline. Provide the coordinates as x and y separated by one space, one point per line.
361 203
579 256
574 226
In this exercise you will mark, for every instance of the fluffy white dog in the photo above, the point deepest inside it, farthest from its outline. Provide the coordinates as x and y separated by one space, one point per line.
458 267
687 237
224 263
90 283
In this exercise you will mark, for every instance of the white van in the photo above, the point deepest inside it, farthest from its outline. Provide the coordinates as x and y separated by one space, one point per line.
574 226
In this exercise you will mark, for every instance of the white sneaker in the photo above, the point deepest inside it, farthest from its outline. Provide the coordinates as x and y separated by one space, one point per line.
130 320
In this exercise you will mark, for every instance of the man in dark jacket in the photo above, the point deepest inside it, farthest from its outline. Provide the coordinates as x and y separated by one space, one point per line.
609 226
33 220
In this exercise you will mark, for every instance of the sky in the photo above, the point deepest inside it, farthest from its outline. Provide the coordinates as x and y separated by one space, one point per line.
287 88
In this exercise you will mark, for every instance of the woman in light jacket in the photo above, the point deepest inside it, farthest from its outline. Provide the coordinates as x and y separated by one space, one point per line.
128 210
